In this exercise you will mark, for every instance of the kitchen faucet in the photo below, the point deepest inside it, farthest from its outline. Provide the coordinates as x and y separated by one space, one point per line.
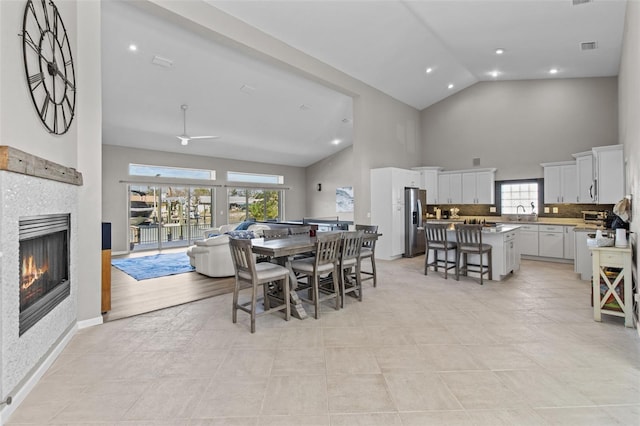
517 211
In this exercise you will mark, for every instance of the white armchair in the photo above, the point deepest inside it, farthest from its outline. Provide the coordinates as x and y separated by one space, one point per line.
212 256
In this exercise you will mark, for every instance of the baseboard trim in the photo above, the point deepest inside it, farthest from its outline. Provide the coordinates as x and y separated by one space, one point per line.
89 323
31 381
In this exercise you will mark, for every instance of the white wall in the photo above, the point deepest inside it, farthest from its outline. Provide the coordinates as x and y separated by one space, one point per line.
629 93
386 131
516 125
116 160
332 172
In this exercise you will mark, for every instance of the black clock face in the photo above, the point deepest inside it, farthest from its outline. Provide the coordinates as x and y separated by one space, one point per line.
48 65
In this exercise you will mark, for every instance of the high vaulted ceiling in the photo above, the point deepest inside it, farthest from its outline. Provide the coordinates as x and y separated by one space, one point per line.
263 113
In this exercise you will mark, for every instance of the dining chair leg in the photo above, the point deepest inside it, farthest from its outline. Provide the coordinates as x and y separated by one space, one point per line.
254 294
234 312
316 295
426 262
490 263
373 269
446 257
359 283
458 254
265 291
287 309
336 285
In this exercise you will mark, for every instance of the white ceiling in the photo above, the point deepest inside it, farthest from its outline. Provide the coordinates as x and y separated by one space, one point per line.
386 44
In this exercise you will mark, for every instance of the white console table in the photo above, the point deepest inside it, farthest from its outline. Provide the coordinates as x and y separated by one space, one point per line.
612 267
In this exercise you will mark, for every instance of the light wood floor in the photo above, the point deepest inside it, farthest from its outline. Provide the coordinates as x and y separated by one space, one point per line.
130 297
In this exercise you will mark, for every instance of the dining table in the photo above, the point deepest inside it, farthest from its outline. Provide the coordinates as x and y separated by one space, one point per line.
283 251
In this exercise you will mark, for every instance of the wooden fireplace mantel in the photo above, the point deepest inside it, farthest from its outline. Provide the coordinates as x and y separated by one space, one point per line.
16 161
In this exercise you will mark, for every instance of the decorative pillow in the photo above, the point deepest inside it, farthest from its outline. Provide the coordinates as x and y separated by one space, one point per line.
241 235
244 225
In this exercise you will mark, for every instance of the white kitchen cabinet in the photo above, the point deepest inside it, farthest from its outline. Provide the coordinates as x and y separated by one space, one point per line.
478 187
582 264
529 240
608 172
551 241
450 188
569 242
584 175
511 260
429 182
387 208
560 182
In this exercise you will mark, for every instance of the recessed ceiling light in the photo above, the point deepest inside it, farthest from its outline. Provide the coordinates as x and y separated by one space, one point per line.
494 73
336 141
499 51
163 62
133 47
450 86
553 71
429 70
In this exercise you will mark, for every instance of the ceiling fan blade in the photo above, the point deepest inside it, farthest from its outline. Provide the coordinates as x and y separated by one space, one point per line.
204 137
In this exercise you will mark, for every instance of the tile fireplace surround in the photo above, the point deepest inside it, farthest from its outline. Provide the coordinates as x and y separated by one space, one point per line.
31 186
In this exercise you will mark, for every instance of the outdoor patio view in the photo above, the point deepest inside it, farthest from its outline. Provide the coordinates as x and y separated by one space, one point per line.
168 216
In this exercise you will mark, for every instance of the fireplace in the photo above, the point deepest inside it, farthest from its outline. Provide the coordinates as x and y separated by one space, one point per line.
44 266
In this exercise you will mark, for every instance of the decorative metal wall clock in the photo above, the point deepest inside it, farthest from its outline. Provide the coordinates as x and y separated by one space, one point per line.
48 65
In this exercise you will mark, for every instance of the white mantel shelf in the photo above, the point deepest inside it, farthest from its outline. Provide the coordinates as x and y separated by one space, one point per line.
16 161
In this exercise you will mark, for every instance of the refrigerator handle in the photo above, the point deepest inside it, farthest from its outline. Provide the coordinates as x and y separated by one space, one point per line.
420 213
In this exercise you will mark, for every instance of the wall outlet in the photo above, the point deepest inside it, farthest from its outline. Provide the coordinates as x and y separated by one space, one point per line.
492 209
555 210
546 209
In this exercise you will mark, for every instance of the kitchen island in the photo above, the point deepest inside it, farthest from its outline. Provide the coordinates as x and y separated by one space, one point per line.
505 253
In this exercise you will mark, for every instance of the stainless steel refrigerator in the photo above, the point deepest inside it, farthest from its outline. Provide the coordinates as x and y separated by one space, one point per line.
415 201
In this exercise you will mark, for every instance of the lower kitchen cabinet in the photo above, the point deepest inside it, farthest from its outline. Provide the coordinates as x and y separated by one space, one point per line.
582 263
569 242
551 241
529 240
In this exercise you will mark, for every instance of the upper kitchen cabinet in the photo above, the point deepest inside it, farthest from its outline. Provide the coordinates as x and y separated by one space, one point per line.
560 182
449 188
584 175
608 174
429 182
478 186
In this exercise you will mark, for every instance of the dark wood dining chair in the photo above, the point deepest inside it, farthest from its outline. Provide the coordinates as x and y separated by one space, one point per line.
256 274
272 234
324 262
369 252
300 230
469 238
350 278
435 235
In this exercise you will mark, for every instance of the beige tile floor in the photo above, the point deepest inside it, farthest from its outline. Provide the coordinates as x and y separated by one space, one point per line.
419 350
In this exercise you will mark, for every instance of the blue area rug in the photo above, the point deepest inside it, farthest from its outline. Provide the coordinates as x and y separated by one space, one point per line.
158 265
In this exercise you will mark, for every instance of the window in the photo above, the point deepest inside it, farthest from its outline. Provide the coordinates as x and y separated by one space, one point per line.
254 204
516 195
173 172
254 178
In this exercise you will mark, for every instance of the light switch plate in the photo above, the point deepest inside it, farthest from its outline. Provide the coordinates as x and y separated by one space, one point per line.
492 209
555 210
546 209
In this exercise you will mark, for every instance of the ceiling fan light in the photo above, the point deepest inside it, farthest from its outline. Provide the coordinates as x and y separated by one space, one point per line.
184 141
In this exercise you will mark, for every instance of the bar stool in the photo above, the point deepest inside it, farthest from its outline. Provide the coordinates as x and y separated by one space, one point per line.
470 242
256 274
325 262
369 252
350 279
435 235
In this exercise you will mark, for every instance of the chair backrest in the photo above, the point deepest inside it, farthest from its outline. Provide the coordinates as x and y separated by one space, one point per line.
299 230
351 245
435 232
243 260
327 248
368 229
469 235
272 234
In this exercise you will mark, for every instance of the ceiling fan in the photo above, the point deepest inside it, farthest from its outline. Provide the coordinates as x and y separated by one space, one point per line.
184 137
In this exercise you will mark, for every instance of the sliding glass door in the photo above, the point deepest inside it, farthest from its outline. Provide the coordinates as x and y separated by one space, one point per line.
168 216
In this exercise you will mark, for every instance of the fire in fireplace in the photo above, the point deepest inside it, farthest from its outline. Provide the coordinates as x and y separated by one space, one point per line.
44 266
